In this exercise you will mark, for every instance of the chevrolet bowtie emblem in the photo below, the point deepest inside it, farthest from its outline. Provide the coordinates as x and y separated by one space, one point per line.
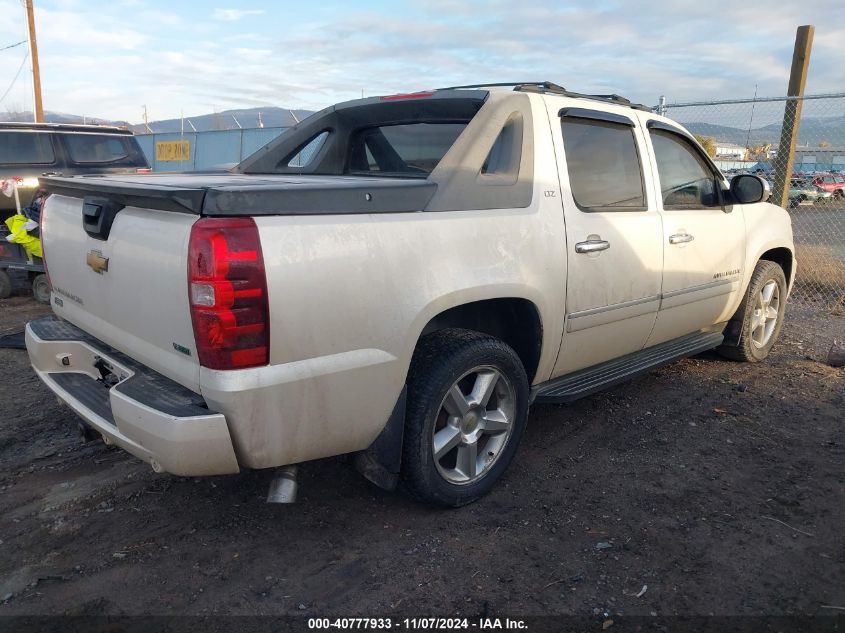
97 262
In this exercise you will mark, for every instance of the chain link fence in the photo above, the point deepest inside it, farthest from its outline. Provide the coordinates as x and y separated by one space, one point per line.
748 136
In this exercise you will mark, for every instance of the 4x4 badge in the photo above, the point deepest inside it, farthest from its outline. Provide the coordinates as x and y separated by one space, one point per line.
97 262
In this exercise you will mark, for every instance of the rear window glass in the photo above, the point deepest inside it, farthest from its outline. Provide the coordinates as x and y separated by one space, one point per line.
91 148
604 167
26 148
412 149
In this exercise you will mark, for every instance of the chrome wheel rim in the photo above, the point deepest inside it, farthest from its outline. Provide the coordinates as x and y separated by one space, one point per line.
765 315
474 422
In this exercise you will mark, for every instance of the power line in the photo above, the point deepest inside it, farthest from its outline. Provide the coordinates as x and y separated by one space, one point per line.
5 48
17 74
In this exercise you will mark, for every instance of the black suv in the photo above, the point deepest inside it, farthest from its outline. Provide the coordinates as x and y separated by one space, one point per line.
29 150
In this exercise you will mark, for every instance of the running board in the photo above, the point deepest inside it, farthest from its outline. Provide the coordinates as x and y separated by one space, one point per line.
588 381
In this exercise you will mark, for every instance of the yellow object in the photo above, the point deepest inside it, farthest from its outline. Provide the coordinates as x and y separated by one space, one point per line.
173 150
31 244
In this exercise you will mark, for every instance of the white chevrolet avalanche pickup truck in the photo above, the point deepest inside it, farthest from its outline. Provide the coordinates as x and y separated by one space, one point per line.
400 278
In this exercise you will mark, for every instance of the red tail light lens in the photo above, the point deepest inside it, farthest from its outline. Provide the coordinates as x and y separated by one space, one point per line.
228 294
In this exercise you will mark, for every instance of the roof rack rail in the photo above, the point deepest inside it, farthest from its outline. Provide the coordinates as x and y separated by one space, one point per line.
526 86
547 87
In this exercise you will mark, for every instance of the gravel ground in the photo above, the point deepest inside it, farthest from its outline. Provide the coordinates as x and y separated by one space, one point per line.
706 487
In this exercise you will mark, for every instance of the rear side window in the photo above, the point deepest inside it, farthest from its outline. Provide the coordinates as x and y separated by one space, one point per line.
604 167
26 148
92 148
686 181
412 149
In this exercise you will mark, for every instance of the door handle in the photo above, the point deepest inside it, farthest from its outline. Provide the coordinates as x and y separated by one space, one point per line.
593 246
680 238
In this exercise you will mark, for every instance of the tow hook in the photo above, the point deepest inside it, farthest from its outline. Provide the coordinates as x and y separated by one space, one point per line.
283 487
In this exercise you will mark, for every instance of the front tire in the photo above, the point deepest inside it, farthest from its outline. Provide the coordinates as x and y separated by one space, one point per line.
467 411
760 315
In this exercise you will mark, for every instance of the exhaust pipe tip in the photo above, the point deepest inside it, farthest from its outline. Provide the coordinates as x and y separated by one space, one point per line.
283 487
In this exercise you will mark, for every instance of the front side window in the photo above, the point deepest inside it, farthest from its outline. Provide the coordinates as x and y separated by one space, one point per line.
92 148
26 148
686 180
604 168
411 149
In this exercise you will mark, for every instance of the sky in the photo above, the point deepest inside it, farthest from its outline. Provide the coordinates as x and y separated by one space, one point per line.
110 59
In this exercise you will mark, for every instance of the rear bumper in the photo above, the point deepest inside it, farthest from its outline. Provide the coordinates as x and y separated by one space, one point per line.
145 413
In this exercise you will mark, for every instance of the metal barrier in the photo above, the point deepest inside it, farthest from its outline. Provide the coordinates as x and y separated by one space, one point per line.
752 128
205 150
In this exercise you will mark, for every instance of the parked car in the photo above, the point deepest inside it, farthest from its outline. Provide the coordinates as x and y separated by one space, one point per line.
31 150
399 278
832 183
801 190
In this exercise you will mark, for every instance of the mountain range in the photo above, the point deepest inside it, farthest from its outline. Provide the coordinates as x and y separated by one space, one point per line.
226 120
813 131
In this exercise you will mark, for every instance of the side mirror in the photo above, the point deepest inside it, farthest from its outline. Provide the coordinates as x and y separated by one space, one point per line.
748 189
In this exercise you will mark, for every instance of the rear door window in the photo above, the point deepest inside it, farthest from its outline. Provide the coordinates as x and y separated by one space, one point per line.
412 149
26 148
603 164
97 148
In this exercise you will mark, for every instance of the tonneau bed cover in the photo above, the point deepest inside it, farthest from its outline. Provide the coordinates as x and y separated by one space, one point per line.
249 194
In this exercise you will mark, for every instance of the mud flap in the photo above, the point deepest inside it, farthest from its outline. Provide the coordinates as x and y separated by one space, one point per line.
381 461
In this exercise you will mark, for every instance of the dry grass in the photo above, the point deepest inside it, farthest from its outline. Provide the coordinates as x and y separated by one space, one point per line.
821 274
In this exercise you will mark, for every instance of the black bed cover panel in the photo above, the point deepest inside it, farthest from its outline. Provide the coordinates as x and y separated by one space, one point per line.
227 194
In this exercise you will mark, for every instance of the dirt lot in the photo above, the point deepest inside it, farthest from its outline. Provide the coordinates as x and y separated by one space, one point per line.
716 485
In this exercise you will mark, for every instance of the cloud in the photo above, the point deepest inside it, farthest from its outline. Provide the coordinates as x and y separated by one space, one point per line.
233 15
105 59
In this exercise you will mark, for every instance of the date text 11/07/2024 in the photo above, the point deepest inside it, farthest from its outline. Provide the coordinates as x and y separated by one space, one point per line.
416 624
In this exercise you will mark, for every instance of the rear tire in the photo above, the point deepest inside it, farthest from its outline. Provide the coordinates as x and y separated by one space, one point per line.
760 315
467 411
41 288
5 285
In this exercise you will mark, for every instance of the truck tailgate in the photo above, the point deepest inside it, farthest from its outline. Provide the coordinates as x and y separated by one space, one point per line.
129 290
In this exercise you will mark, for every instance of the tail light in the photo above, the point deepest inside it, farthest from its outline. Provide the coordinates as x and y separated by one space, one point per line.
144 170
228 293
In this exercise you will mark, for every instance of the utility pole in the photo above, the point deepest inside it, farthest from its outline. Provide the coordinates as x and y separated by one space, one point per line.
33 56
792 114
146 124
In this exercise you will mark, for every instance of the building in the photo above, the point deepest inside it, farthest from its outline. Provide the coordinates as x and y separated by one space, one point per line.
730 151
